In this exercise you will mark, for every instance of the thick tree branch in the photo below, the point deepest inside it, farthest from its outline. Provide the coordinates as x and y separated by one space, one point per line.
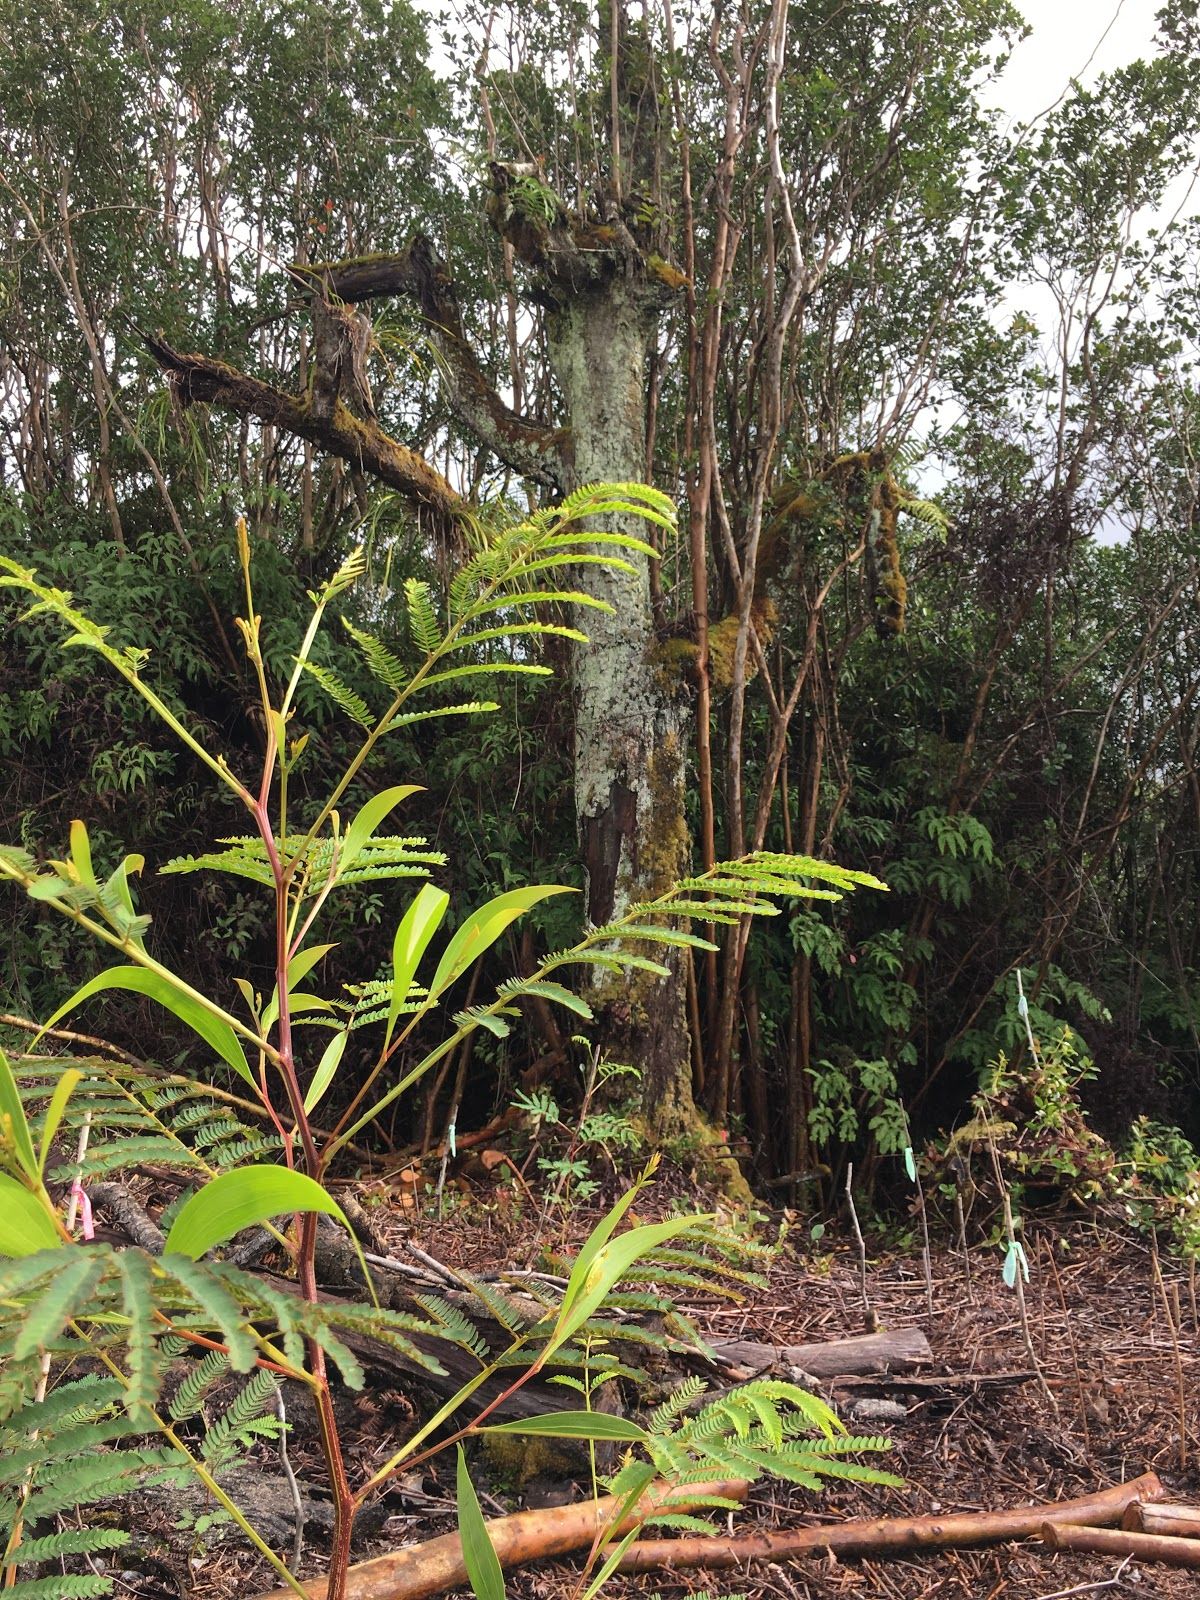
334 428
530 448
577 256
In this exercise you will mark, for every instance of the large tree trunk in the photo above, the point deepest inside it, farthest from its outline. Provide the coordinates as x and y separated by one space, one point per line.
604 286
630 727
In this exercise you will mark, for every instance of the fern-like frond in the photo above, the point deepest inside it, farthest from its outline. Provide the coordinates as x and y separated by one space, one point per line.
60 1585
513 1315
231 1435
385 667
464 708
677 1403
352 703
455 1327
202 1375
422 618
242 858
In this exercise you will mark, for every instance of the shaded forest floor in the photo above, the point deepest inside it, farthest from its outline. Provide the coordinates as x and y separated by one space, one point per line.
982 1427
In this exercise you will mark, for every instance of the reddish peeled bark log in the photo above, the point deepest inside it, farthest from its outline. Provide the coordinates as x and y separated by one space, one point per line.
427 1569
892 1536
1171 1552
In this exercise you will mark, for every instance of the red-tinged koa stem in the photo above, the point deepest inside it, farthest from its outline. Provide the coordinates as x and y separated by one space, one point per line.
331 1445
344 1506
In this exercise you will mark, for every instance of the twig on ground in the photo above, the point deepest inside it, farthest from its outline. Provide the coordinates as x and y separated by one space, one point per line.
1089 1588
285 1463
1168 1549
862 1244
1174 1318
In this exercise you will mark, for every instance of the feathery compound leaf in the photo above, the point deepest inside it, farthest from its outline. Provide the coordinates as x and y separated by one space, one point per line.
547 990
70 1542
140 1344
422 619
528 597
242 1422
355 707
70 1288
454 1326
387 668
465 708
200 1378
676 1403
244 857
62 1586
206 1288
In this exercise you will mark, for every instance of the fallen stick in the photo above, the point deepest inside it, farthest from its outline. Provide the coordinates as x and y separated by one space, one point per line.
421 1570
1181 1522
892 1535
1170 1550
895 1350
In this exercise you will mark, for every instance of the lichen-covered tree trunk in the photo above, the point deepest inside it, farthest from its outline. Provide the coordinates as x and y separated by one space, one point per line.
630 729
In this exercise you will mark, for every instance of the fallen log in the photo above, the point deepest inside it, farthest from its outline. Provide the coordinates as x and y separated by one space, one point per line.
894 1350
1181 1522
338 1269
422 1570
894 1535
1170 1551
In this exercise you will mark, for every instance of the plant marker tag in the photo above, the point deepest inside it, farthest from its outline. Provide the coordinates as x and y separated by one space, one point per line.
80 1199
1015 1260
910 1166
450 1139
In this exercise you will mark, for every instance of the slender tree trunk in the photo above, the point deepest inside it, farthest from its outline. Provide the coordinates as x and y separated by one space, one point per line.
630 723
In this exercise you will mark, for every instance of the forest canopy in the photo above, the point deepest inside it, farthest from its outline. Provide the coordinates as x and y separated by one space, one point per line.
920 387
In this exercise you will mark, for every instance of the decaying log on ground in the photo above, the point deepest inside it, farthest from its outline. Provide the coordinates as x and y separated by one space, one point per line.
893 1536
1181 1522
895 1350
427 1569
337 1266
1168 1551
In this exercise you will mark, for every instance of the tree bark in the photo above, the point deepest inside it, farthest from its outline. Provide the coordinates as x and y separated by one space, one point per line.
630 727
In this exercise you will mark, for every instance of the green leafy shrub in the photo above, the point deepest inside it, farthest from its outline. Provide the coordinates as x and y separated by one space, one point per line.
241 1127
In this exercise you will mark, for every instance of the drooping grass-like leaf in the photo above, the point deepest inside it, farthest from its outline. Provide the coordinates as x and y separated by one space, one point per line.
479 1554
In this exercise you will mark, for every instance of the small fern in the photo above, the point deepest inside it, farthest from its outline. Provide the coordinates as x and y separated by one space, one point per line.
242 1423
752 1431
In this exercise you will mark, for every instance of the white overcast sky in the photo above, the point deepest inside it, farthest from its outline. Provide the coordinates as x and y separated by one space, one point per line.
1071 39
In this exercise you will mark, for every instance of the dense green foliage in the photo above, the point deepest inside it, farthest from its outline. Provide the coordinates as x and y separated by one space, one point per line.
992 322
132 1313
